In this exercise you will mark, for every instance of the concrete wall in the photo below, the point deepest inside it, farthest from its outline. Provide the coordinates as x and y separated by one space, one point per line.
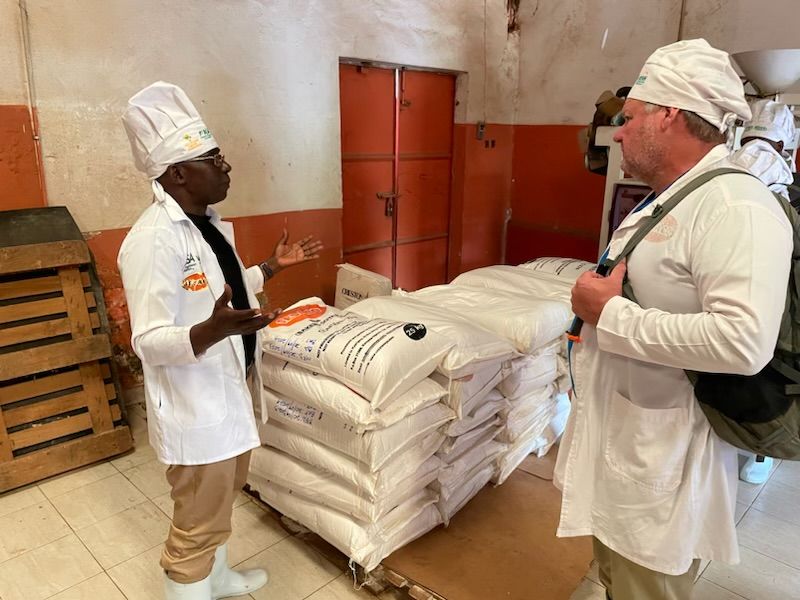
12 64
264 74
572 51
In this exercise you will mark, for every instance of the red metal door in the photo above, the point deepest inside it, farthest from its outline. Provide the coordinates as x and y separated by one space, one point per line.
397 128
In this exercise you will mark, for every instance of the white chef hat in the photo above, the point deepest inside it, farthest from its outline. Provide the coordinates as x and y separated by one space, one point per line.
772 121
164 128
693 76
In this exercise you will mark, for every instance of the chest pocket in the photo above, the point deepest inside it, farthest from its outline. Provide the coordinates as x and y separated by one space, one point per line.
647 446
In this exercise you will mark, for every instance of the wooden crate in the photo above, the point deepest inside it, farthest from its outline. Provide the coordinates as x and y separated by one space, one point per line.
60 402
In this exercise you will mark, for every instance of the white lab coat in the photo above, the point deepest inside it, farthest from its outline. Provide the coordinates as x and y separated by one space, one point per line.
766 163
639 466
199 409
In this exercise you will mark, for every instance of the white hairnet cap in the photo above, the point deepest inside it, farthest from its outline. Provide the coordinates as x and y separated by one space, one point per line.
164 128
772 121
693 76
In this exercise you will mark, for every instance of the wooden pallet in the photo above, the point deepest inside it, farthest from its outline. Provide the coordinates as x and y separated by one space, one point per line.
60 404
377 581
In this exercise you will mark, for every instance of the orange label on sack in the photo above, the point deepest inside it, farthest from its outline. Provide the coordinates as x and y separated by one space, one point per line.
301 313
195 282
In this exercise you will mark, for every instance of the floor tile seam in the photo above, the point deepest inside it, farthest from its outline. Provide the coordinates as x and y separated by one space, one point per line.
76 531
145 501
29 550
73 490
264 549
738 595
133 483
769 514
325 584
777 560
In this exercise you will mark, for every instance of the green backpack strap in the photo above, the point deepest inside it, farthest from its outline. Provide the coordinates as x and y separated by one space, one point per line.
659 212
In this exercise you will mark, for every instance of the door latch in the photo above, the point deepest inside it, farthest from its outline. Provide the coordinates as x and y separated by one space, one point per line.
389 198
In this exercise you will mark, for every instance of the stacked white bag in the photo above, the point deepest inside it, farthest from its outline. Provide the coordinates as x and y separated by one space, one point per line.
354 423
528 305
470 371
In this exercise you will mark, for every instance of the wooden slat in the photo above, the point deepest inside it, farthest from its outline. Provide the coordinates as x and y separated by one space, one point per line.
33 286
54 356
40 331
50 408
78 311
32 257
63 457
45 385
38 308
5 442
44 409
55 429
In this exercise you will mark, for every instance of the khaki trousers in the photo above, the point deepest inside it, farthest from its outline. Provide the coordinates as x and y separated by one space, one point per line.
625 580
203 497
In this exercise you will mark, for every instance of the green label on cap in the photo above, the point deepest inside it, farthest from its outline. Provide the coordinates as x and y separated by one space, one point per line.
641 80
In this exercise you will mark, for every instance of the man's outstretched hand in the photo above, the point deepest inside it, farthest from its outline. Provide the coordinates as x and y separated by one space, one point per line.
225 321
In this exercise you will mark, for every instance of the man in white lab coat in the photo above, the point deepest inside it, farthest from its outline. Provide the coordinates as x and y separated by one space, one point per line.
764 139
195 324
640 468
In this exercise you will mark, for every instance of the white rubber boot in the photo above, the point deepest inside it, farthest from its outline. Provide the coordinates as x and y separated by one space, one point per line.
225 582
756 471
199 590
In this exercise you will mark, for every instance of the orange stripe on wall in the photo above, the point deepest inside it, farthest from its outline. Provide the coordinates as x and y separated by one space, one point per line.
20 177
556 203
255 240
481 194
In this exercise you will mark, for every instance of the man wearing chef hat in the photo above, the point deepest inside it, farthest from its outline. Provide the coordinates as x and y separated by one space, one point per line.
195 326
640 468
764 140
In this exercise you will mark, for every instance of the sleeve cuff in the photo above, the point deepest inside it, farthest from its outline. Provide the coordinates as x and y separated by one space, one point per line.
608 327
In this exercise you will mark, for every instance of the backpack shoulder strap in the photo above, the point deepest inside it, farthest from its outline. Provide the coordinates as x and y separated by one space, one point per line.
661 210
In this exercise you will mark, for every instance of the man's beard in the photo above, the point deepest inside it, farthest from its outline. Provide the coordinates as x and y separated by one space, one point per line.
647 163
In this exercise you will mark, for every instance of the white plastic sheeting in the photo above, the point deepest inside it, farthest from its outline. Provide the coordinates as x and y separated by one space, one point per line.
472 348
373 448
471 389
380 359
366 544
372 485
329 395
320 486
518 280
527 322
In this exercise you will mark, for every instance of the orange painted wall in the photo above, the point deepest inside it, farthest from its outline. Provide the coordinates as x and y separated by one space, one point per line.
255 240
481 193
556 202
20 179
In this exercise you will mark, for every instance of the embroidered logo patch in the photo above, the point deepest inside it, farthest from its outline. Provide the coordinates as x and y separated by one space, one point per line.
664 230
195 282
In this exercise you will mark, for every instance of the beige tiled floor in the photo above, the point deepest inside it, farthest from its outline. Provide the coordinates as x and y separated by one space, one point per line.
96 534
769 536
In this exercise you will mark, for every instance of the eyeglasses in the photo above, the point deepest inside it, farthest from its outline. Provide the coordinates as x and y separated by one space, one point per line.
219 159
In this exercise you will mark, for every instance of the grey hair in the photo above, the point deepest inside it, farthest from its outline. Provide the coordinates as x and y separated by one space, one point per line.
697 125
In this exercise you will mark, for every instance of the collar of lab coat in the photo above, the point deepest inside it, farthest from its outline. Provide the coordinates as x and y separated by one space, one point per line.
174 210
710 160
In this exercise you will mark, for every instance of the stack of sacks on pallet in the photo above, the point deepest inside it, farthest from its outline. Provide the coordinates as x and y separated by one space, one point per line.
476 362
528 305
535 328
353 426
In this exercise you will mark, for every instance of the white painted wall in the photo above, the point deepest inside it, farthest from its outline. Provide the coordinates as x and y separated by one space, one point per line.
567 59
264 74
12 64
742 25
